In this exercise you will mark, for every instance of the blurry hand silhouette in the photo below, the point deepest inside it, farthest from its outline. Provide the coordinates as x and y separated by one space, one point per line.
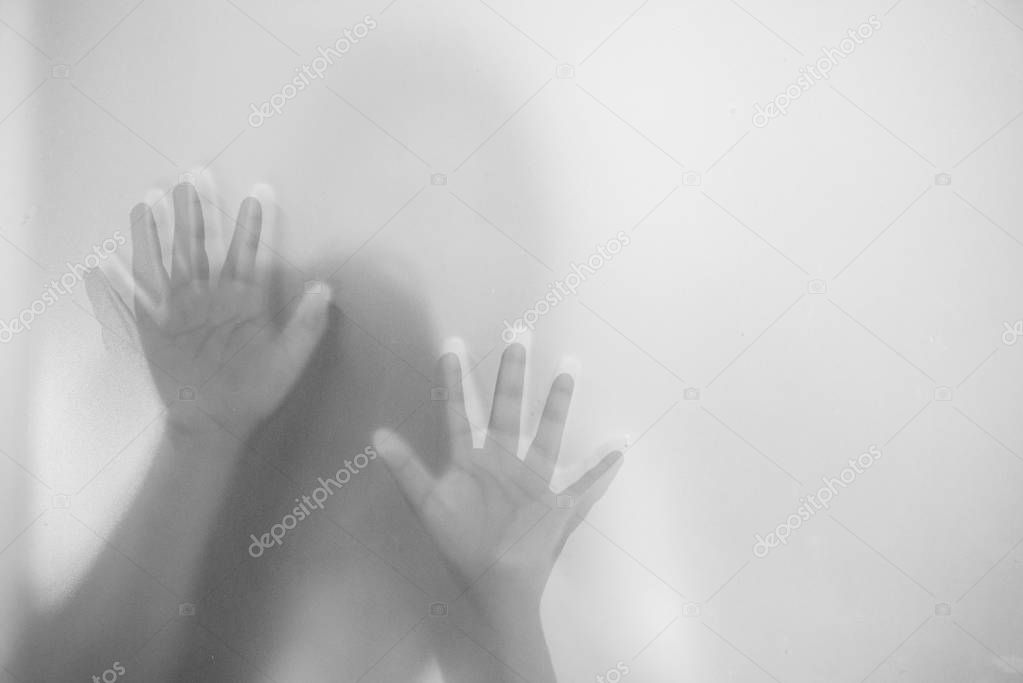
218 341
489 511
217 355
493 516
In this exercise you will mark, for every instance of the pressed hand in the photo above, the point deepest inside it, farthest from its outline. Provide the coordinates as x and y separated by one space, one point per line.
218 341
489 510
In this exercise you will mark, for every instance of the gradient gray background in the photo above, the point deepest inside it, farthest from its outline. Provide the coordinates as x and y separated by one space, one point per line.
651 133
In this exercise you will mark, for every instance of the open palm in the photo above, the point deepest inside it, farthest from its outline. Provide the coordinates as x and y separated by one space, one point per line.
216 344
489 510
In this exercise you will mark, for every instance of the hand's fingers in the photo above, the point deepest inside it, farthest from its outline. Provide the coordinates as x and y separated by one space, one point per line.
216 241
592 485
505 414
449 409
414 480
189 261
273 235
147 308
589 488
475 410
543 453
151 280
241 255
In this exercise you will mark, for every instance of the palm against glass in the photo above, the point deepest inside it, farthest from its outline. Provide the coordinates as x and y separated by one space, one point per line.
217 340
489 510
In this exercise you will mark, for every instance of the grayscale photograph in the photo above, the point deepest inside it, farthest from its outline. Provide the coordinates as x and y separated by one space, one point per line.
511 341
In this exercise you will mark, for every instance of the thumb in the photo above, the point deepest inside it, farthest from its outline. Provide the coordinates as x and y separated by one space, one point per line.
591 487
303 331
414 480
111 310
